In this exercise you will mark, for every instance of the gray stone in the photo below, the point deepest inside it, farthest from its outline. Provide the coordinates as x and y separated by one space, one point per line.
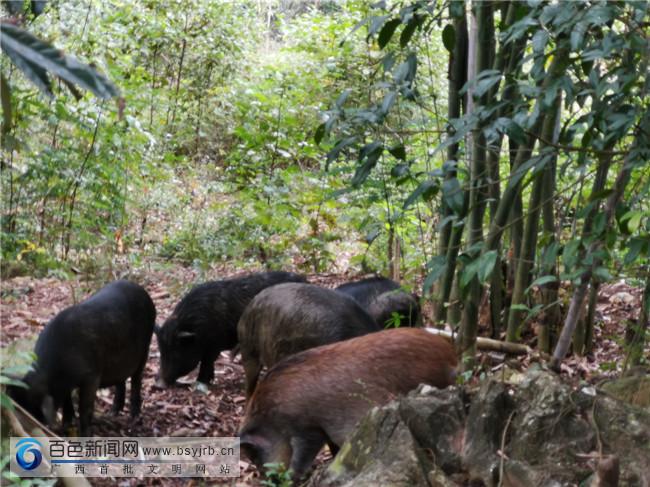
486 421
382 451
436 418
542 432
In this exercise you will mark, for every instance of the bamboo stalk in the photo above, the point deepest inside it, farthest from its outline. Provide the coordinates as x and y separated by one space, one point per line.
489 343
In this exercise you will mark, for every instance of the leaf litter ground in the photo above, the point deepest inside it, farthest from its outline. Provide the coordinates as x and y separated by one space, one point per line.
27 304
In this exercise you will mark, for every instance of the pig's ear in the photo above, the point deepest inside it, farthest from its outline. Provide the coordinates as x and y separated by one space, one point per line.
253 446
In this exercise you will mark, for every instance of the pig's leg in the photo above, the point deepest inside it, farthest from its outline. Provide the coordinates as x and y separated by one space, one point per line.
136 389
118 398
334 449
68 412
252 368
305 448
206 370
87 393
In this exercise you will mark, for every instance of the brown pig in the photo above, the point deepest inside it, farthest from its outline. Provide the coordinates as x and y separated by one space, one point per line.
319 395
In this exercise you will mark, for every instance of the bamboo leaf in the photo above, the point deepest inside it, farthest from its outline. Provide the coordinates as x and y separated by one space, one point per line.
540 281
486 265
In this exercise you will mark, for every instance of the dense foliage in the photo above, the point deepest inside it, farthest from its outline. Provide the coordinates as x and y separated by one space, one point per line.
567 85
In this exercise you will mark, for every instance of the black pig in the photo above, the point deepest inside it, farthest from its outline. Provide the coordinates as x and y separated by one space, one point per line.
381 298
204 323
288 318
98 343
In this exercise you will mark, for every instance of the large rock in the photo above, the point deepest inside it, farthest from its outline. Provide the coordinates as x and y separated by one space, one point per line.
541 432
560 432
489 413
436 420
381 452
395 445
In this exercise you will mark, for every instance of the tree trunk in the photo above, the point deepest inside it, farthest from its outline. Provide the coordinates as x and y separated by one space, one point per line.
478 188
457 77
590 317
550 319
448 242
529 244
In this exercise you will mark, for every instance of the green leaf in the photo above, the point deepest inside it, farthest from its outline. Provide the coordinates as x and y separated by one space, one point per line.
399 171
376 23
32 72
368 157
388 61
20 44
369 149
405 72
534 311
342 98
408 31
319 134
486 265
437 267
8 381
632 220
539 42
602 274
540 281
6 403
398 152
549 256
7 115
453 195
457 9
469 272
482 265
426 189
635 246
387 32
600 220
577 35
388 101
486 80
570 254
520 307
449 37
338 147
